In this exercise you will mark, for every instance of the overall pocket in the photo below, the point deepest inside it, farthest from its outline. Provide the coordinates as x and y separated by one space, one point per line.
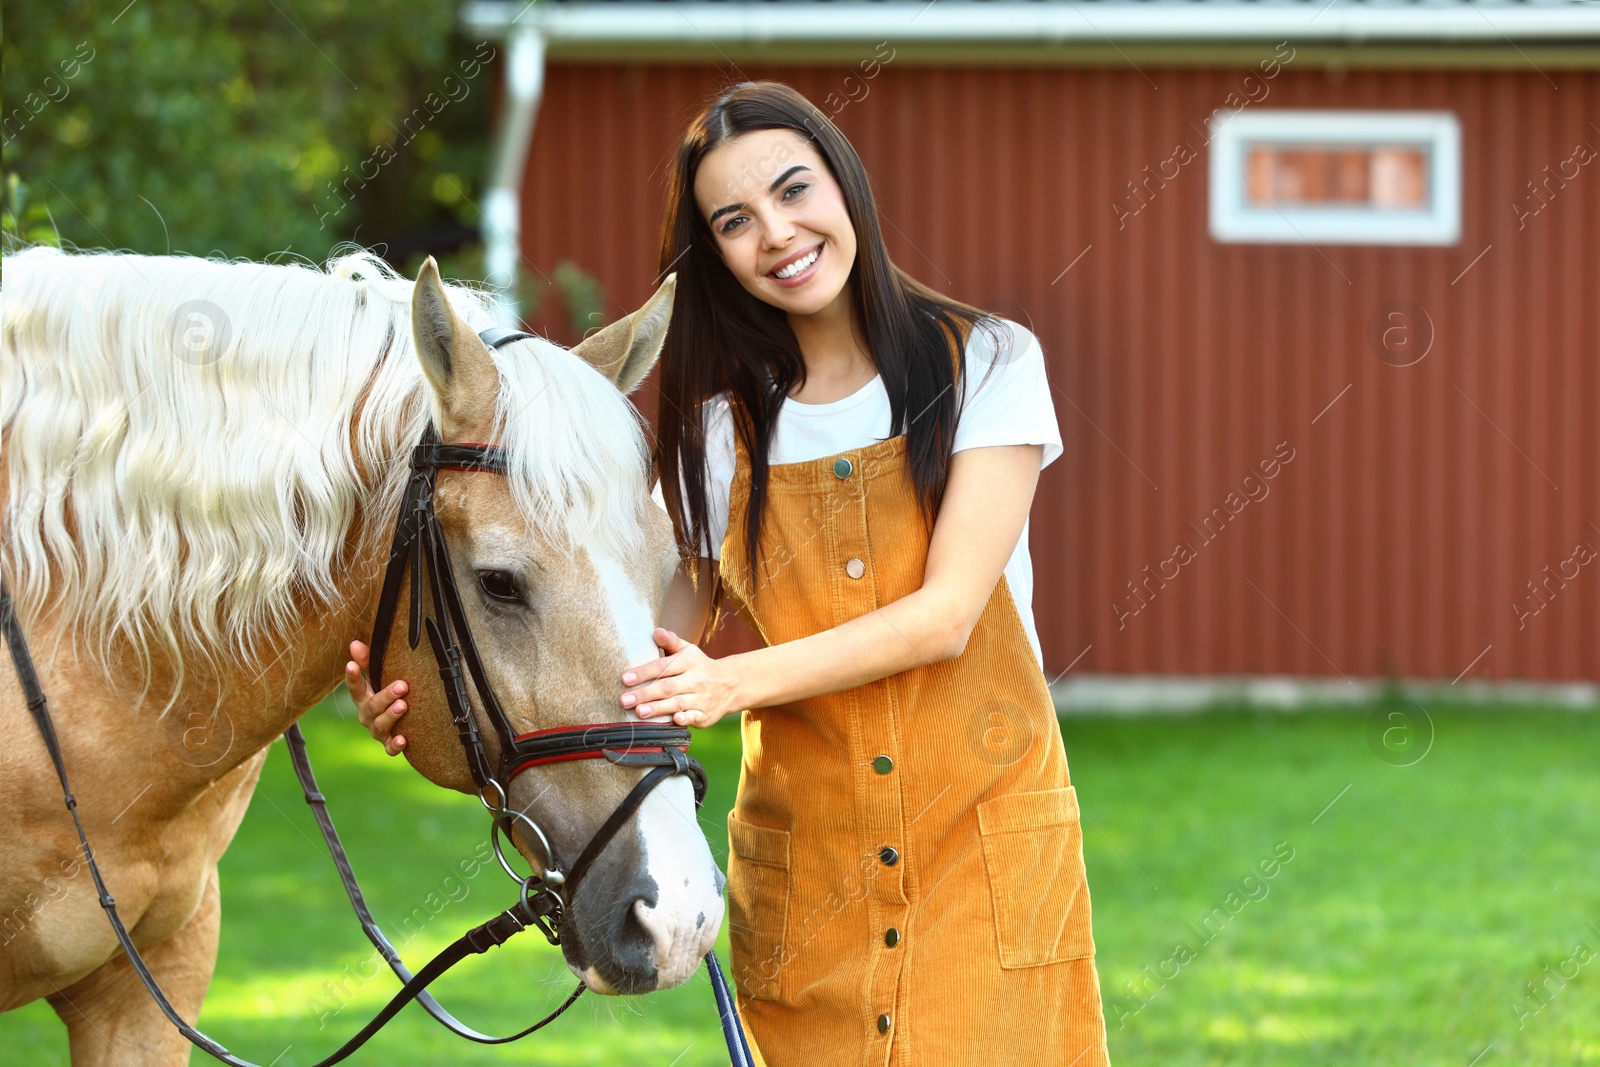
758 906
1033 849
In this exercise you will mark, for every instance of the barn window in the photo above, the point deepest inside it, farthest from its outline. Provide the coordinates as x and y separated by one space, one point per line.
1336 177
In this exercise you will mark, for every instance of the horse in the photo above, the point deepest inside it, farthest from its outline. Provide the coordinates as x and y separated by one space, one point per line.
203 461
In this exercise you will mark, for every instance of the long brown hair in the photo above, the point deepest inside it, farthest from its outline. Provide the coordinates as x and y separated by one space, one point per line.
723 339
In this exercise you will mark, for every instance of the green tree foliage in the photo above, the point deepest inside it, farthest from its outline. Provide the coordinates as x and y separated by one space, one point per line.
247 128
242 127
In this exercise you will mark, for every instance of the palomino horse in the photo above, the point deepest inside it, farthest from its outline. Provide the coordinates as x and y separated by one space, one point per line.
202 465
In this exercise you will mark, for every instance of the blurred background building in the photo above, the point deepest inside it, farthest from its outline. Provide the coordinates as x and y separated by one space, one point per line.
1318 285
1318 282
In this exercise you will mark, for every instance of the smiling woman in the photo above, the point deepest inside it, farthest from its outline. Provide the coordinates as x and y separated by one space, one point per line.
789 212
870 448
818 206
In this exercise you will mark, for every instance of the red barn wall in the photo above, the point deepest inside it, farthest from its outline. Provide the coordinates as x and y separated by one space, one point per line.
1416 510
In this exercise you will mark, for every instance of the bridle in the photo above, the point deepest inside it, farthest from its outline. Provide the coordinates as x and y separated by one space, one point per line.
419 549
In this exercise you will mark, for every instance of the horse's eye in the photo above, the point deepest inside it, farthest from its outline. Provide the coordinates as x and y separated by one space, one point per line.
498 585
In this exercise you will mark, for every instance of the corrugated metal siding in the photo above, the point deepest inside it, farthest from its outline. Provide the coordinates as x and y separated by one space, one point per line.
1417 508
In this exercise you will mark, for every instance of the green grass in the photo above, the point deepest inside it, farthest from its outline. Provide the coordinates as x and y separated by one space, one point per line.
1402 931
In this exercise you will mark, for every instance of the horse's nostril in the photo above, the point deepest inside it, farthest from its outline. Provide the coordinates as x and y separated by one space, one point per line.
657 930
625 947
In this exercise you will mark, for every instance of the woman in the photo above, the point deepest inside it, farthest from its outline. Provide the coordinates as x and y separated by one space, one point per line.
858 455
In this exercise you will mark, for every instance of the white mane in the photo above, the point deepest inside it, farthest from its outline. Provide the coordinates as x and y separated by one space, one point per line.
163 490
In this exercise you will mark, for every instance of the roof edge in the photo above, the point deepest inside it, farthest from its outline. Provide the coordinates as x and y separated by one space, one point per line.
775 29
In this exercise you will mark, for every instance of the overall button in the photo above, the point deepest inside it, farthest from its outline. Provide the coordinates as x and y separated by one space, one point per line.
842 467
888 855
891 937
882 764
883 1024
855 568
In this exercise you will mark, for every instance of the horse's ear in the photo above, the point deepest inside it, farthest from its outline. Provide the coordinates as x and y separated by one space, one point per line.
456 363
627 349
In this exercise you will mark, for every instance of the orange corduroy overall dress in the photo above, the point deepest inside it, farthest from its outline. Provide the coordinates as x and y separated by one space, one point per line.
906 878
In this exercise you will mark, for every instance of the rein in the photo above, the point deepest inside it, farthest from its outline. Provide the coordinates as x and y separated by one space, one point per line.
419 549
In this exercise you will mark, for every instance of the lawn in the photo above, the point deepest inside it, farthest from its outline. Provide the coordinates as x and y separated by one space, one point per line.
1267 891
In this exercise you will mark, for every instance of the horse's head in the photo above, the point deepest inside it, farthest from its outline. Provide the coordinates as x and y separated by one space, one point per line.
562 566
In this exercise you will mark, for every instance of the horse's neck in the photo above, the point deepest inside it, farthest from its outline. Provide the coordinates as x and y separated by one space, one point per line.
217 723
308 663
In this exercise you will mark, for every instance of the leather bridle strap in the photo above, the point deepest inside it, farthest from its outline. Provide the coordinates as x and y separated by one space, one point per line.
419 550
496 336
419 545
609 828
627 744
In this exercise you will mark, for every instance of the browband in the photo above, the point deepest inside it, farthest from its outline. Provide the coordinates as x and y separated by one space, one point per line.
496 336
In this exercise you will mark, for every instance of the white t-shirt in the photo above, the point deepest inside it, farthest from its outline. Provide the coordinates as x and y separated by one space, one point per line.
1006 402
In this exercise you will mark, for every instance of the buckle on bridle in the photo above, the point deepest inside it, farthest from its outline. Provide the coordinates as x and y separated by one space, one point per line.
680 759
543 907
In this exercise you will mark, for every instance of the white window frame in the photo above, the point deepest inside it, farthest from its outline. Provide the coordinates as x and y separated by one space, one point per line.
1234 219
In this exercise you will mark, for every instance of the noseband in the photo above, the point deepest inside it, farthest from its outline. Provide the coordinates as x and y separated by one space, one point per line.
419 549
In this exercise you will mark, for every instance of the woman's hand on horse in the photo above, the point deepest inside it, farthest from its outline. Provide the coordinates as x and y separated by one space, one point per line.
687 684
378 711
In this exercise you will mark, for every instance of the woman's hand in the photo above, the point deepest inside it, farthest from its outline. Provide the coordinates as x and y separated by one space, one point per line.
687 684
380 711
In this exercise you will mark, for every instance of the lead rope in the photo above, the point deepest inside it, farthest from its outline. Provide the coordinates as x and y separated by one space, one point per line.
728 1010
301 758
476 941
